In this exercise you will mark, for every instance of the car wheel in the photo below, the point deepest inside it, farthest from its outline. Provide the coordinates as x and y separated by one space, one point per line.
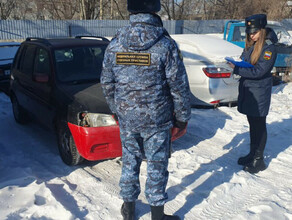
67 148
19 113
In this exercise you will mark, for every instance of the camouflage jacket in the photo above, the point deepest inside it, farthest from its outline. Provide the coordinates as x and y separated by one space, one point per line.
143 78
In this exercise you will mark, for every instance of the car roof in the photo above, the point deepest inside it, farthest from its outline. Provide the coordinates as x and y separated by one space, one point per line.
3 44
59 43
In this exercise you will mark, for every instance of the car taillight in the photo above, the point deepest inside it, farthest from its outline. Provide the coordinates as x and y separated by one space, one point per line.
215 102
217 72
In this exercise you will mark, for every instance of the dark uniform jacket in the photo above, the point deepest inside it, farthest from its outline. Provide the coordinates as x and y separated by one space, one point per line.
144 79
255 85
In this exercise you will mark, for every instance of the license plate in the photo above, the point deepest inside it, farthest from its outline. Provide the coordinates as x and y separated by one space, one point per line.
7 72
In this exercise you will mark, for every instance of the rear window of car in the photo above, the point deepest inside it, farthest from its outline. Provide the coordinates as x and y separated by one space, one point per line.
42 62
80 63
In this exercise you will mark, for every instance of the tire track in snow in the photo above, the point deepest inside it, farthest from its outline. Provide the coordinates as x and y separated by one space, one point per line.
241 195
250 191
108 174
278 168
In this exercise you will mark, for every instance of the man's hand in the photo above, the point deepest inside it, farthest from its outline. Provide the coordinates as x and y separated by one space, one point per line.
178 130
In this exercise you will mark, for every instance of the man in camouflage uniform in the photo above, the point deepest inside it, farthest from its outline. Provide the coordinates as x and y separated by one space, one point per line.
146 86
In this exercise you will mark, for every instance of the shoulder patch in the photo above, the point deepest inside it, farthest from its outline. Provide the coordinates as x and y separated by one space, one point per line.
139 59
267 55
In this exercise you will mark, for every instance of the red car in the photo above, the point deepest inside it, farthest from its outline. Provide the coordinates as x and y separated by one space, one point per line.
56 82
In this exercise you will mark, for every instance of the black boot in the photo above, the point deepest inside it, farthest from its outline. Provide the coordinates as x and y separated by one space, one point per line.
257 164
157 213
248 158
128 210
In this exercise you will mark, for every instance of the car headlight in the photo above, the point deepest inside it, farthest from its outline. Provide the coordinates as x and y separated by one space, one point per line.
96 120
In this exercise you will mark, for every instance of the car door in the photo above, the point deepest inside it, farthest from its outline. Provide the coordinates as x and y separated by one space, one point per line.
42 86
22 76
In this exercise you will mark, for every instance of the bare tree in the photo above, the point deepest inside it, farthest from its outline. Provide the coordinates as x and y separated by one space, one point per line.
62 9
181 9
25 9
92 9
82 9
95 9
6 8
121 7
237 9
117 9
168 7
101 9
189 10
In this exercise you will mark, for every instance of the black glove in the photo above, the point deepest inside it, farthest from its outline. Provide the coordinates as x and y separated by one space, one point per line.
179 124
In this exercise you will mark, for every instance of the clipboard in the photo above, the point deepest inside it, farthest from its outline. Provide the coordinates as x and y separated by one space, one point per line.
239 63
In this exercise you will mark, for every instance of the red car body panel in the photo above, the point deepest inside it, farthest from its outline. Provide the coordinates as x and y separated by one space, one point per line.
97 143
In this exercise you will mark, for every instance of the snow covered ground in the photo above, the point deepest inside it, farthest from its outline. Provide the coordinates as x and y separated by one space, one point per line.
205 181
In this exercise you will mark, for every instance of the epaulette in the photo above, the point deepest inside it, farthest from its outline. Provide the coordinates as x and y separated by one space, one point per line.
269 42
166 34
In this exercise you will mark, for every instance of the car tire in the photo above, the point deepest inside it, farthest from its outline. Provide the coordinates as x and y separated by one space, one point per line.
19 113
67 148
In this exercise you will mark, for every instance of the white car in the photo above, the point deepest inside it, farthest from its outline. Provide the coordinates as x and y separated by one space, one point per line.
211 80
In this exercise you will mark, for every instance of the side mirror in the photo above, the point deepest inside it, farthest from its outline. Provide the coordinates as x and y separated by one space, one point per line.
41 77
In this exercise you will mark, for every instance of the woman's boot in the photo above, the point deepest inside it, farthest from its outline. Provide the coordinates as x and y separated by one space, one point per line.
128 210
257 164
157 213
248 158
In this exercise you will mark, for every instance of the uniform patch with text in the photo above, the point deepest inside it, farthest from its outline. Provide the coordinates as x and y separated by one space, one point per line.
268 55
140 59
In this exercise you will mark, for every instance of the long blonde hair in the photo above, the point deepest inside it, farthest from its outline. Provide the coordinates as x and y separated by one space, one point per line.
258 46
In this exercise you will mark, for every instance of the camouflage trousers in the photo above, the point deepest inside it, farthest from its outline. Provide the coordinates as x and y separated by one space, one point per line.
155 146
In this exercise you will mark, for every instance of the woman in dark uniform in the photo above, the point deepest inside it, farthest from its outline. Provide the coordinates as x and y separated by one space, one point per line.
255 87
